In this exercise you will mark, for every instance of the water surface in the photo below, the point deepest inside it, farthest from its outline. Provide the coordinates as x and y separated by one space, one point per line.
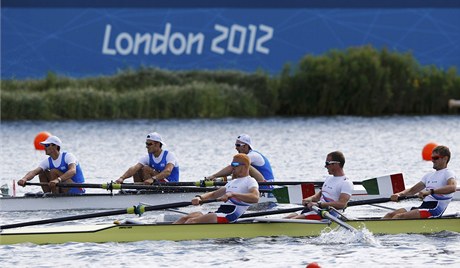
296 147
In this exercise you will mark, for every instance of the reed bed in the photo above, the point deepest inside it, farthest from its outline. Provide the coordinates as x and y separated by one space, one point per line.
358 81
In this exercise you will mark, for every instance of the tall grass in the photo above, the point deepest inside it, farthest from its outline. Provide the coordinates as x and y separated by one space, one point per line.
357 81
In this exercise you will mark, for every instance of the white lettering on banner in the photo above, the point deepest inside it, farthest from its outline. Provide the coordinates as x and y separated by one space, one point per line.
236 39
119 43
216 41
161 38
105 47
268 35
236 32
194 39
144 40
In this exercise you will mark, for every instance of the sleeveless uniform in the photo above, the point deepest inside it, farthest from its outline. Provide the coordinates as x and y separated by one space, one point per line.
231 210
332 188
433 206
159 163
261 163
66 159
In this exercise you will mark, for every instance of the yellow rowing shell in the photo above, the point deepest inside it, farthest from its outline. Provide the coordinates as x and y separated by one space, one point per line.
269 227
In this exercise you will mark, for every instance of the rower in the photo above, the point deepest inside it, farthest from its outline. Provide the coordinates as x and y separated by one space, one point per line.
436 188
57 168
260 168
157 165
335 192
238 195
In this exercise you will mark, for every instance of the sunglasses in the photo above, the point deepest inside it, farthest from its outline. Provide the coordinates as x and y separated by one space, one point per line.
236 164
149 143
328 163
48 145
436 157
239 144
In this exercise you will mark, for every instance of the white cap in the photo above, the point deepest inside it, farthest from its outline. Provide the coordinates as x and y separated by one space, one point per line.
244 138
155 137
52 140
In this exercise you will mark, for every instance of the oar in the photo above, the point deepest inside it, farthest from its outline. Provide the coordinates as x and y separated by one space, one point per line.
293 193
131 210
107 186
202 183
271 212
222 183
384 185
116 186
327 215
350 204
205 183
378 200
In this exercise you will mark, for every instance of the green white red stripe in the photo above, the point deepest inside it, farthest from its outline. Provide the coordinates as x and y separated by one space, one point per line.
385 185
294 193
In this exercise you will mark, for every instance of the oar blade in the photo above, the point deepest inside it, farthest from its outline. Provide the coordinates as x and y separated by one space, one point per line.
384 185
293 193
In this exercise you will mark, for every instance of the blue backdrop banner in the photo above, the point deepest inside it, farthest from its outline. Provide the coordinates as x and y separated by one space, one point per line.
89 38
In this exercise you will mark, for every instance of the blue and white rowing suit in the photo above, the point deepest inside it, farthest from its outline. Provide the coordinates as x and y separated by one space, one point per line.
62 164
159 164
231 210
261 163
433 206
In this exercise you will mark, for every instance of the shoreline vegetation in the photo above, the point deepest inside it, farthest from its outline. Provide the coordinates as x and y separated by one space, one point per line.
360 81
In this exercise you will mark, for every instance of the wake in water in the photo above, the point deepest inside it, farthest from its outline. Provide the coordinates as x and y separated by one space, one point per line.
341 235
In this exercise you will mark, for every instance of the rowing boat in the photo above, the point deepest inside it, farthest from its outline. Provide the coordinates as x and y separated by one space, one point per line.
376 187
379 187
122 199
258 227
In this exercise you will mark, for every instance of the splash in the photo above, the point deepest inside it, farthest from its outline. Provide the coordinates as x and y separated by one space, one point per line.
341 235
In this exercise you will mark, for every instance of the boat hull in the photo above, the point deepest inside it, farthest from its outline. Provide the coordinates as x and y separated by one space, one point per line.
132 233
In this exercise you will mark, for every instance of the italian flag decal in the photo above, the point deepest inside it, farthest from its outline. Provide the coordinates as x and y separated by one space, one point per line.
294 193
385 185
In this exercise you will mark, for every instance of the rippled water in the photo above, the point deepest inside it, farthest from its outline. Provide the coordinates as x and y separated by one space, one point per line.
296 147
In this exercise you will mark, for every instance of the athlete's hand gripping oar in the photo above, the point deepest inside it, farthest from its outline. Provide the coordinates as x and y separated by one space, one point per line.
131 210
